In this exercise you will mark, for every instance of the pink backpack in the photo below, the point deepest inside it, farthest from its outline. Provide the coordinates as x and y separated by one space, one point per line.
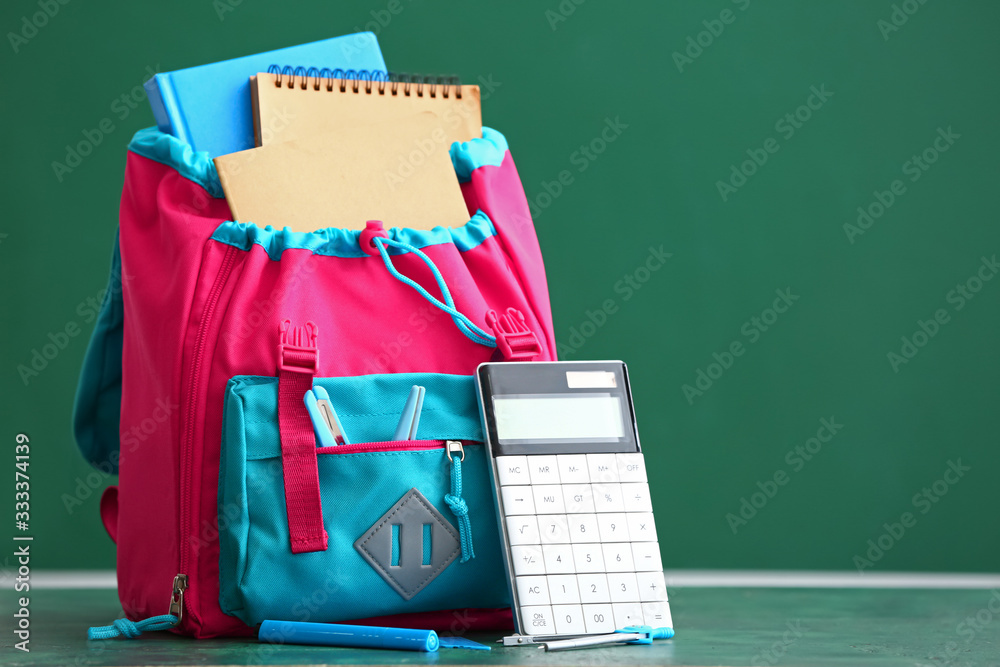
226 511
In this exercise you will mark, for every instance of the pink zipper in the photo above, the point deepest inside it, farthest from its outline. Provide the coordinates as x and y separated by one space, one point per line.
187 441
388 446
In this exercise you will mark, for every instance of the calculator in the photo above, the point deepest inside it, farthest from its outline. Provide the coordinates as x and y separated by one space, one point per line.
572 497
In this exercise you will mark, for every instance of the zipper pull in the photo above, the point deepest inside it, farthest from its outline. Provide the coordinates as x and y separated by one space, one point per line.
123 627
455 501
177 597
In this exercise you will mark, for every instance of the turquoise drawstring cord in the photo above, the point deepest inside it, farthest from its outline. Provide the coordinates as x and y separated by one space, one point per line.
123 627
460 509
464 324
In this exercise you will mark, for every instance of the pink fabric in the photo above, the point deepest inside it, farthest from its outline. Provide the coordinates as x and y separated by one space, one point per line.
297 363
198 312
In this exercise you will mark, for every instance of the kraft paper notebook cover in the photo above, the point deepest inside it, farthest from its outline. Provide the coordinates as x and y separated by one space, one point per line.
209 106
376 171
292 106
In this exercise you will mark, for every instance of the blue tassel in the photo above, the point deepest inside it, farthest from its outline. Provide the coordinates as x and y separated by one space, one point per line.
460 509
123 627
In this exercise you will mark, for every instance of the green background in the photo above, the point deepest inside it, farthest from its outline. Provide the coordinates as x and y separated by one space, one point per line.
655 185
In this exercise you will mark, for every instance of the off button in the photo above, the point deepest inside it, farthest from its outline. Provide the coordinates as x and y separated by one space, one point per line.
537 620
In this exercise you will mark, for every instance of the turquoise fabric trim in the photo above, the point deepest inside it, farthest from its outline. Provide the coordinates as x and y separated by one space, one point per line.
171 151
470 155
334 242
369 407
198 167
259 576
98 402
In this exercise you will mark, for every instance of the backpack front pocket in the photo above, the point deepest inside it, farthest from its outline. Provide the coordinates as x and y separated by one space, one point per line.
395 543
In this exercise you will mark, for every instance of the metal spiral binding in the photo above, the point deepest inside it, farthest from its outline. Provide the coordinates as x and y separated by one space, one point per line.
368 81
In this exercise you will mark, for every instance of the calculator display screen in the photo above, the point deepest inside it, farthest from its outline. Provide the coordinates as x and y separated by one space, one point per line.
559 418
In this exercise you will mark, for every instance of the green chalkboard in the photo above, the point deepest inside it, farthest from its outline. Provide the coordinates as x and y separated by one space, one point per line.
781 215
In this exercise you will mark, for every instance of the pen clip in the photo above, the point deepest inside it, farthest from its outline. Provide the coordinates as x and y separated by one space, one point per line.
410 418
324 418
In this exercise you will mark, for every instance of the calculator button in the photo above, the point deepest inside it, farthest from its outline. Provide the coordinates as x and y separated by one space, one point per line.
631 467
543 469
537 620
602 467
527 559
599 619
563 589
656 614
522 530
558 558
512 470
613 527
553 529
573 468
652 587
517 500
641 527
548 499
532 591
608 498
618 557
627 613
636 497
647 557
569 619
593 588
579 498
623 587
583 528
588 557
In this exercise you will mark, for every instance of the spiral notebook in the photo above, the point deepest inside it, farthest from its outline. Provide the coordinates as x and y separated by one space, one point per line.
291 103
343 178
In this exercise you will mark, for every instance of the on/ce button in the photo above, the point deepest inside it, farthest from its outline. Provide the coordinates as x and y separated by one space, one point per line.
537 620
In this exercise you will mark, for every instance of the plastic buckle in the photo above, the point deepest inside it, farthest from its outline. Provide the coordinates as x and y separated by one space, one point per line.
372 229
515 340
297 352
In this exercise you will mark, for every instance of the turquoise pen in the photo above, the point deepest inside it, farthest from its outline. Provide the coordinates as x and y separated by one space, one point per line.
354 636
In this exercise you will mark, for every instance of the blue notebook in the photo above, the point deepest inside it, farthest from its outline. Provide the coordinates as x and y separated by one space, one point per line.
209 106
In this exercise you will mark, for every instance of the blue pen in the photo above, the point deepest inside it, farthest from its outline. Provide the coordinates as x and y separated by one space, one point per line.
410 419
324 418
357 636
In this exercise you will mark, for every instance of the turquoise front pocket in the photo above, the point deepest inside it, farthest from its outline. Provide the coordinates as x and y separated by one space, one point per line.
393 544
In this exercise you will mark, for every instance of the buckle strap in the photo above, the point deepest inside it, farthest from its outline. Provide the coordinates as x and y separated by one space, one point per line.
297 363
515 339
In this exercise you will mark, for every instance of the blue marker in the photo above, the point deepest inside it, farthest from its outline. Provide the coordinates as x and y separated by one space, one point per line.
354 636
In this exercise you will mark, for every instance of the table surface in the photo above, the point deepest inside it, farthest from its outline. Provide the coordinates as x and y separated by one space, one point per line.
717 626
